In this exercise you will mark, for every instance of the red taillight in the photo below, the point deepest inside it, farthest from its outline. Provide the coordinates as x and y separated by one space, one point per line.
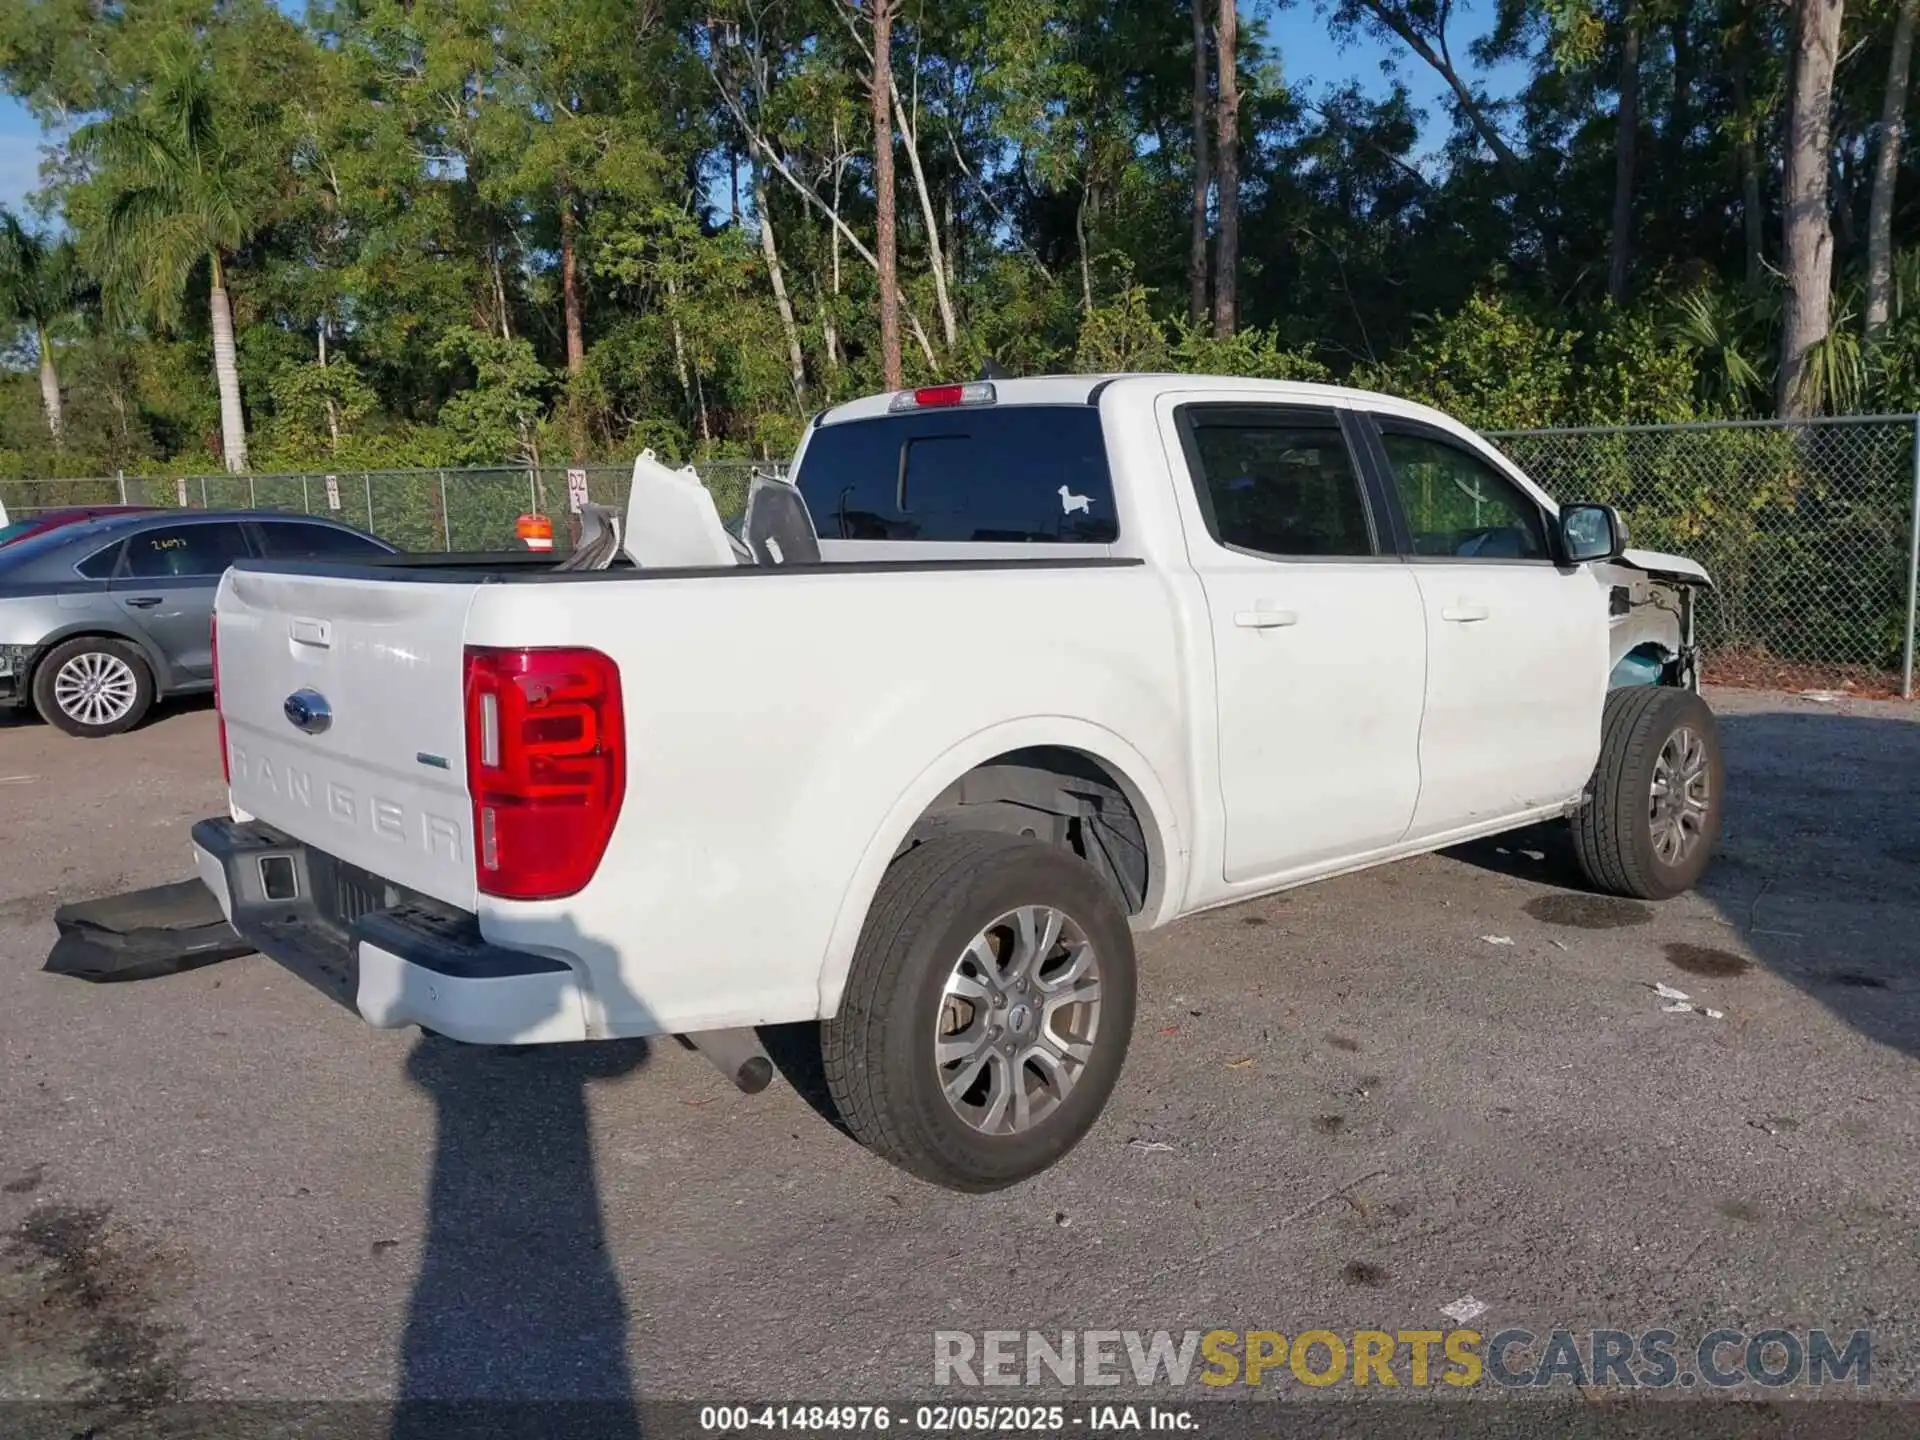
546 746
220 716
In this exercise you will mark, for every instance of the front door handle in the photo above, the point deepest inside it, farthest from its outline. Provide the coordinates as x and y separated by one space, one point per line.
1465 612
1264 619
143 602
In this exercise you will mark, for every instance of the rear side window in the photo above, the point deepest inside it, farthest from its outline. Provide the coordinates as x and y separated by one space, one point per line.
1278 481
291 540
1026 473
185 550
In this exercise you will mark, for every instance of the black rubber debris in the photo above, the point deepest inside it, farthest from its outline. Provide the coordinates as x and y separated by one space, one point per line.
143 934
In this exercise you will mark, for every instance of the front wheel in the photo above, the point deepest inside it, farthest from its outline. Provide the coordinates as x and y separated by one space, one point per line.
1653 808
987 1012
93 686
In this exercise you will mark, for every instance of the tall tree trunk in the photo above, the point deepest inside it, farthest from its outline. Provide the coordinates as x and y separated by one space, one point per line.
796 357
1080 244
1626 131
1752 212
49 383
885 243
949 329
1809 238
1680 102
333 410
1886 169
576 336
226 374
1226 287
1202 180
829 325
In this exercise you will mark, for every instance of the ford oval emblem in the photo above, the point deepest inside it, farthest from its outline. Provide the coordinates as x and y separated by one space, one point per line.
308 710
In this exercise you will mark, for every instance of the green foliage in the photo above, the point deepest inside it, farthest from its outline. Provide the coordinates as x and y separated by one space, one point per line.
1490 364
407 179
498 413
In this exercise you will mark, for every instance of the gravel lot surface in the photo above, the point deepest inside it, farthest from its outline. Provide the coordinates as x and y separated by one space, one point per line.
1344 1109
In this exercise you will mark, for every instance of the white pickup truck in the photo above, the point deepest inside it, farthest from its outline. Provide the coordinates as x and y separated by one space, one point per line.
1077 657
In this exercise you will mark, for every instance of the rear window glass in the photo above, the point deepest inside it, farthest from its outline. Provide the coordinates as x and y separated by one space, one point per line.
1025 473
291 540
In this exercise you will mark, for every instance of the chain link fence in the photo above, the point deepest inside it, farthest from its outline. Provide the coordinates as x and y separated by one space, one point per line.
448 509
1809 530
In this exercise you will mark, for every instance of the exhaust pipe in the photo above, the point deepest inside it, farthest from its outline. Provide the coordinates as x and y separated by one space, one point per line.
738 1055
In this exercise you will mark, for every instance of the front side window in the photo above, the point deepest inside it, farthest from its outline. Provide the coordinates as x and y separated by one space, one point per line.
185 550
1281 484
1458 505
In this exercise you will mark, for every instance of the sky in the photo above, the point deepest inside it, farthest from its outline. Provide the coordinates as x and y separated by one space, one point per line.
1310 59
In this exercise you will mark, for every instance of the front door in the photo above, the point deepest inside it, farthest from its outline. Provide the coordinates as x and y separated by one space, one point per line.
1516 643
1319 649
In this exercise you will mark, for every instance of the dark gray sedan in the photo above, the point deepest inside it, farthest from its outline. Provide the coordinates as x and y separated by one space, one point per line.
97 620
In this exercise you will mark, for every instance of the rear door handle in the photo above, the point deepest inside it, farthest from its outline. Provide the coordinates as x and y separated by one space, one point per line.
1465 612
143 602
1264 619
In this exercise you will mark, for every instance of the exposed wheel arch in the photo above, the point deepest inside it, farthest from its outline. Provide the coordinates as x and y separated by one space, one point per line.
1052 793
1101 755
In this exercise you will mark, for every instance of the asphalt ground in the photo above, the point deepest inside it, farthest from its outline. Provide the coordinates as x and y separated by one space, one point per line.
1345 1109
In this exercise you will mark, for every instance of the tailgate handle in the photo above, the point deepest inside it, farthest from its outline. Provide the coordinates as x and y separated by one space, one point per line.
318 633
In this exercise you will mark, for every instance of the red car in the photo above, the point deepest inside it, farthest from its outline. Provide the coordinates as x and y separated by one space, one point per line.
44 520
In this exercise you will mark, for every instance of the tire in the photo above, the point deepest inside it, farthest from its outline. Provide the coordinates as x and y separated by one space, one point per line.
879 1052
93 686
1620 848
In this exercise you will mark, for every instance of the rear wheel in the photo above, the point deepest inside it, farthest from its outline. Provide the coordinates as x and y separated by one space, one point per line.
1653 808
987 1012
93 686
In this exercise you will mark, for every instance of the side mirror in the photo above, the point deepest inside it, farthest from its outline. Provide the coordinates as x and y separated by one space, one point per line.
1591 532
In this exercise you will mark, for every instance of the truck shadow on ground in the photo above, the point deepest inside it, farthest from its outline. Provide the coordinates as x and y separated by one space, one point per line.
517 1324
1817 877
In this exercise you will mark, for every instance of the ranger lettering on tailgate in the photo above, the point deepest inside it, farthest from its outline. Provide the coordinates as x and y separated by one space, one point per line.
437 835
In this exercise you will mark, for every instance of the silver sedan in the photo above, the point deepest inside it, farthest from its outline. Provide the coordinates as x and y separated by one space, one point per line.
98 620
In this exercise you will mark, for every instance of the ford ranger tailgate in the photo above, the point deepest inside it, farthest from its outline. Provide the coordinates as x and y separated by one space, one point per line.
342 704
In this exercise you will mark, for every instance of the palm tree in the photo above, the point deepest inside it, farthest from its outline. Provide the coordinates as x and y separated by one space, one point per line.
175 173
39 282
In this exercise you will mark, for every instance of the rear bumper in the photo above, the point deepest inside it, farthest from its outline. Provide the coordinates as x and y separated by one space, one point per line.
412 961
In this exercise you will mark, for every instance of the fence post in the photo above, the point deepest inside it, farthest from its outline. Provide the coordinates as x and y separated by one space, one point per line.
1913 572
253 502
122 476
203 492
306 505
446 521
366 478
533 494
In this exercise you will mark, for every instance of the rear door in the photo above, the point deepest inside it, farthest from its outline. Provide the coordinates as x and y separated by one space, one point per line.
1516 644
165 584
1319 649
370 764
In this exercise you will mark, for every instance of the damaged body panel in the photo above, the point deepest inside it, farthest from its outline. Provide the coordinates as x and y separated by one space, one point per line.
1652 600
